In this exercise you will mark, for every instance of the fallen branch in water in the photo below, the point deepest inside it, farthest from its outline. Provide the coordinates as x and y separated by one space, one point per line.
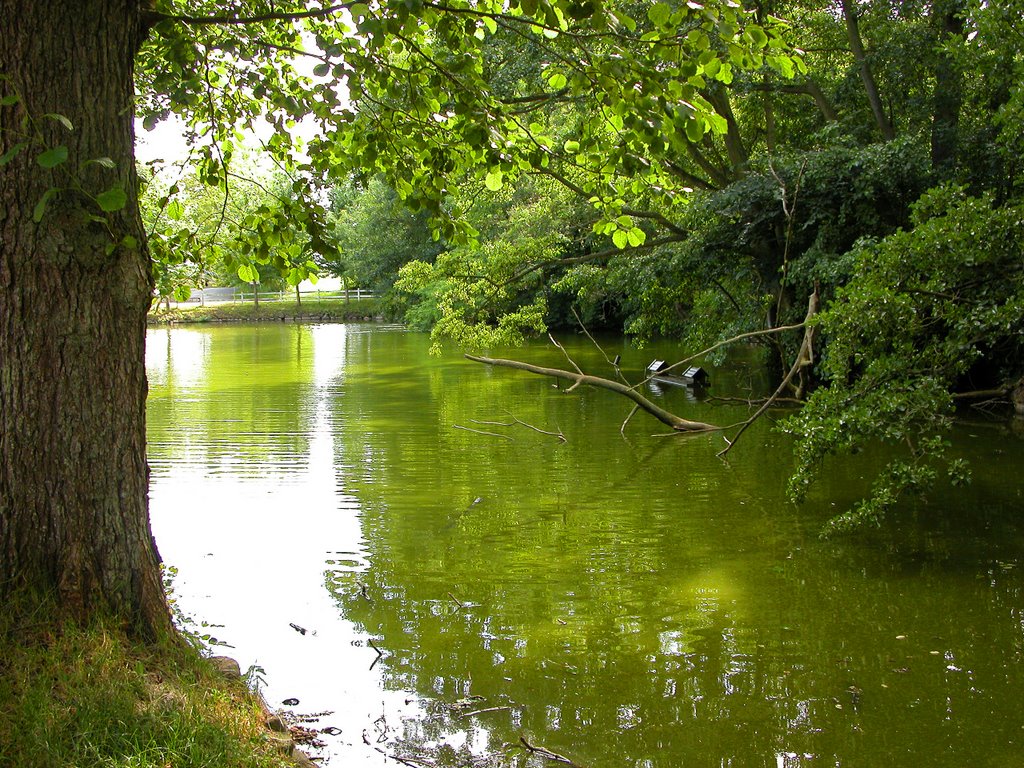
482 711
481 432
543 752
665 417
515 421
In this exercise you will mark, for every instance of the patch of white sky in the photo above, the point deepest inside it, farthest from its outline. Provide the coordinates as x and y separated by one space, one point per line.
167 146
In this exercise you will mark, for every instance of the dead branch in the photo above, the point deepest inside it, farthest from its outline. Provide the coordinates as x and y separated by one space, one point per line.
482 711
665 417
622 429
804 358
543 752
613 363
517 421
986 394
481 432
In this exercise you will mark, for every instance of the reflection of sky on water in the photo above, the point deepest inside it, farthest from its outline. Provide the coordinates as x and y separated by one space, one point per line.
251 544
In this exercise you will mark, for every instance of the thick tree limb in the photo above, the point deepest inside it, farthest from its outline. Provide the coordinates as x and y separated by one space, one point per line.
665 417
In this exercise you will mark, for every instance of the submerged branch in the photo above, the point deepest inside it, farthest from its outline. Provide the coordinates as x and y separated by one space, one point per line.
516 421
544 752
481 432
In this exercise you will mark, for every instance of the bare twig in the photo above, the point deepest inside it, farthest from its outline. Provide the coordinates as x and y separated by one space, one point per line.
804 358
481 432
380 653
613 363
567 357
516 421
482 711
622 429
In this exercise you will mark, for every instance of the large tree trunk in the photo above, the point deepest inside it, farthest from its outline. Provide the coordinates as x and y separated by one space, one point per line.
74 289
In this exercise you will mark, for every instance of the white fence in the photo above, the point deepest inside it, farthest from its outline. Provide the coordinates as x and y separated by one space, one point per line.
233 296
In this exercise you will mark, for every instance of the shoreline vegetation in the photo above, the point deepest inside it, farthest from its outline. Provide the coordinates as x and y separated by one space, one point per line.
93 696
287 310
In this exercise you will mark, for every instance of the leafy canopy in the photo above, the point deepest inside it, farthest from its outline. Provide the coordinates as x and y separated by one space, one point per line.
404 89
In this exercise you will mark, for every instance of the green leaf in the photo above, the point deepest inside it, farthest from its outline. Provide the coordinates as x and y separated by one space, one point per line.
175 210
321 70
494 180
113 199
10 100
636 237
247 273
40 209
756 36
694 130
62 119
620 238
51 158
104 162
572 147
11 153
659 14
557 81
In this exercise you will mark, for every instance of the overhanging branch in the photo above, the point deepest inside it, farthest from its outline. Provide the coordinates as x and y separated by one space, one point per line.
665 417
155 17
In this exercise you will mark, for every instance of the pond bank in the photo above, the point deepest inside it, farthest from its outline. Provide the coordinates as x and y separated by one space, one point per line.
93 696
310 311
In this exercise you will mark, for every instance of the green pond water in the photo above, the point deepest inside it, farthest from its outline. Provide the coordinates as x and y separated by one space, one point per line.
621 600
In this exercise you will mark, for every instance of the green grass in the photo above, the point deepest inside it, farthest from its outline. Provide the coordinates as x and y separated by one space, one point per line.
73 697
311 309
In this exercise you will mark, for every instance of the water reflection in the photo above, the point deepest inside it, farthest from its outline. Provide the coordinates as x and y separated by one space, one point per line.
622 602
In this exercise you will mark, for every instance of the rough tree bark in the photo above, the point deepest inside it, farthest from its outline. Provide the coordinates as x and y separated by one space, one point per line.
74 289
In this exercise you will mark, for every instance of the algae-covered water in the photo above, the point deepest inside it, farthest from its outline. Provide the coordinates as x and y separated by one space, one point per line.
378 533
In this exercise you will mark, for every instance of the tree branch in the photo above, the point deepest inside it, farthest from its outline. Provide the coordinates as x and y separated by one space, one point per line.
665 417
155 17
804 358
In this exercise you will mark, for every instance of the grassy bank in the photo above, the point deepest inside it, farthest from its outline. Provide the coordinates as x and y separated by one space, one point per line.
312 310
92 697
